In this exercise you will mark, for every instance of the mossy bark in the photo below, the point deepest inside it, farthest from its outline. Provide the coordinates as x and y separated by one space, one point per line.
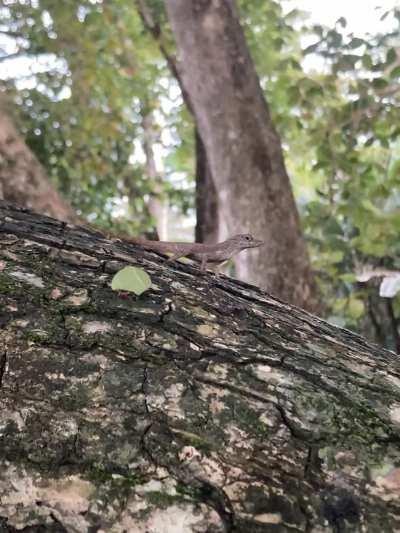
204 405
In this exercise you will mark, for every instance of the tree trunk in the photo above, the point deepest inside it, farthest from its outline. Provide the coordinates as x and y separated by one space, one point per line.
204 405
157 203
243 148
207 214
23 180
207 222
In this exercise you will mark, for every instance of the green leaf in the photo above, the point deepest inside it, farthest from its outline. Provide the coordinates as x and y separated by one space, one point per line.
336 256
348 278
131 279
356 42
294 94
335 38
391 56
380 83
356 308
369 141
395 73
367 61
311 48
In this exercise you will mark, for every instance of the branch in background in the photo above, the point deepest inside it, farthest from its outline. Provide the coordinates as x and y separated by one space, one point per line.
157 204
390 284
207 226
14 55
206 197
393 323
372 315
155 30
14 34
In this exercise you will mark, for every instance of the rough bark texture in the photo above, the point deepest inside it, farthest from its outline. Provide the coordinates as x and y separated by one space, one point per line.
23 180
204 405
243 148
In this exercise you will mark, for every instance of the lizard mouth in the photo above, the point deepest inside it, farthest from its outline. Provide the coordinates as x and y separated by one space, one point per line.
255 243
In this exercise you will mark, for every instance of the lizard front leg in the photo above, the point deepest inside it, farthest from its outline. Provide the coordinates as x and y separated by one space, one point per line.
175 257
203 264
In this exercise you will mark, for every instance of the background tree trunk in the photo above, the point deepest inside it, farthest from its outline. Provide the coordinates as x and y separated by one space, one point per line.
243 148
207 213
157 203
207 228
202 405
23 180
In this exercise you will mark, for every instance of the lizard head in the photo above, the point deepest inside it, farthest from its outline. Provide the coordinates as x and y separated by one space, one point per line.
245 240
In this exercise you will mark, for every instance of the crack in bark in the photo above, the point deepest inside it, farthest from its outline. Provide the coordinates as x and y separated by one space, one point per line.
312 463
3 365
59 523
298 433
70 455
143 445
219 501
143 390
166 311
274 363
198 376
65 332
308 517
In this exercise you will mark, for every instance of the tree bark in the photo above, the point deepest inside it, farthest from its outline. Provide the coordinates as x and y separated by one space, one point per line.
204 405
243 148
23 180
157 203
207 222
207 228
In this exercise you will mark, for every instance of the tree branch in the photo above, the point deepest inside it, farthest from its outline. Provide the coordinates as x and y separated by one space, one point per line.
14 55
155 30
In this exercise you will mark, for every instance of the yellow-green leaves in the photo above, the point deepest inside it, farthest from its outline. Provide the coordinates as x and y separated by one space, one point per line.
355 307
131 279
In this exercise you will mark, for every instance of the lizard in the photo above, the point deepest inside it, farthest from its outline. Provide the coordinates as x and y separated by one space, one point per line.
215 254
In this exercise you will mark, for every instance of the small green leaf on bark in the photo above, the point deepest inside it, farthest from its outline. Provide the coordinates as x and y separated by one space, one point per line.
131 279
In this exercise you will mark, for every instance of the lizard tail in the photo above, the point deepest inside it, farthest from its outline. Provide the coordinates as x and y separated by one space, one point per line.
153 245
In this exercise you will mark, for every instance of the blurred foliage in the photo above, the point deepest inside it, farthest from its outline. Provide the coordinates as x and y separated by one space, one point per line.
334 97
83 114
349 125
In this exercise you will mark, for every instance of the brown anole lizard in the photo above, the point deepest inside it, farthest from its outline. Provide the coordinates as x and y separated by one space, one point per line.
204 253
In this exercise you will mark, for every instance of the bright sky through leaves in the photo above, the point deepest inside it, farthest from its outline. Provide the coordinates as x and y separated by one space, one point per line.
361 15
